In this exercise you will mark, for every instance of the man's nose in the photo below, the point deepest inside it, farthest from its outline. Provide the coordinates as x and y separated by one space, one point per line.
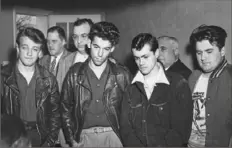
100 52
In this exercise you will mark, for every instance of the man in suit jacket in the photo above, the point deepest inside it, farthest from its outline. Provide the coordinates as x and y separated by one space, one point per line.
81 29
54 61
56 39
169 56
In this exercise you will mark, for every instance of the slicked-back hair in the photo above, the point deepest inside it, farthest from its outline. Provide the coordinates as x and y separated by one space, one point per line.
81 21
32 33
141 39
59 30
214 34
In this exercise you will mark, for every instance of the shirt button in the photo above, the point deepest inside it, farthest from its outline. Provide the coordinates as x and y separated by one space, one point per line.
97 101
98 85
161 108
144 121
98 116
208 115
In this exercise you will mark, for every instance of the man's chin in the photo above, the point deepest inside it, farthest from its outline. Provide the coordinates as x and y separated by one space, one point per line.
98 63
206 70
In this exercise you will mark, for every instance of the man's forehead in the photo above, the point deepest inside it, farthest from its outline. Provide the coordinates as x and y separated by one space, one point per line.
146 49
26 41
165 42
101 42
54 34
82 29
205 45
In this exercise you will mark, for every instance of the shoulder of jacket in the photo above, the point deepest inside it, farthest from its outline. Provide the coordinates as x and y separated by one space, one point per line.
6 69
75 67
122 68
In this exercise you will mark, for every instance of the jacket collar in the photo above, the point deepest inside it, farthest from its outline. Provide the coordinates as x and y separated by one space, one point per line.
82 77
216 73
10 73
112 67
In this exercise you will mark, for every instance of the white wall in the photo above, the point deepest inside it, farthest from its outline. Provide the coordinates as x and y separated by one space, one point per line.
170 17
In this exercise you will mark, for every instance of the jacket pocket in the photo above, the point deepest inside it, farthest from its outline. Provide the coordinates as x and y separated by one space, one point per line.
162 112
135 115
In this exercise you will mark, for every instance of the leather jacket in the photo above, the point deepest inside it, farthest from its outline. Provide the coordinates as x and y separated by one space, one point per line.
46 97
76 98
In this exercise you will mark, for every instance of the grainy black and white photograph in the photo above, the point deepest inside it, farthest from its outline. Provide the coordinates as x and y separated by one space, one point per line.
116 73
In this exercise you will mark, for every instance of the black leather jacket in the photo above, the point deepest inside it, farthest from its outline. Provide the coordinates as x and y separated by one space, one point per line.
76 97
46 97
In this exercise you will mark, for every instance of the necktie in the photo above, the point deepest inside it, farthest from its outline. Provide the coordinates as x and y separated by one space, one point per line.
53 64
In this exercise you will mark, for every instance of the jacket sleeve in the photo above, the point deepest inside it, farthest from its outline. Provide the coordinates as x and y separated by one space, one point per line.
67 104
181 116
128 137
55 120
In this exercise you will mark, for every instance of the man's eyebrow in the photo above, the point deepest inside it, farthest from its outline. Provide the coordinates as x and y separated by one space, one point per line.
209 49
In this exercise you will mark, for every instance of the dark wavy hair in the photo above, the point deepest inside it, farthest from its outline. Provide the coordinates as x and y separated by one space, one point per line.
32 33
141 39
106 31
214 34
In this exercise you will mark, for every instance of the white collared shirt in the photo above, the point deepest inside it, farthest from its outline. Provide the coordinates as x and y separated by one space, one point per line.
80 58
57 59
149 84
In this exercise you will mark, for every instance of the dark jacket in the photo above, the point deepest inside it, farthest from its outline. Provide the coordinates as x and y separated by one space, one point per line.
180 68
164 120
76 97
46 97
218 106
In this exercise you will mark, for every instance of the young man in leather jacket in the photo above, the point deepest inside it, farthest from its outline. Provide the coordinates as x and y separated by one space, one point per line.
92 93
30 92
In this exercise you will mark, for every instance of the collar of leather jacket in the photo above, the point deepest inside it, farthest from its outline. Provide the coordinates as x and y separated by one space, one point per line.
113 69
10 74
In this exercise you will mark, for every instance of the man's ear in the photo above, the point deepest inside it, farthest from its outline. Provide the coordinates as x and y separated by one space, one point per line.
176 51
40 54
89 43
157 52
17 50
112 49
63 42
223 51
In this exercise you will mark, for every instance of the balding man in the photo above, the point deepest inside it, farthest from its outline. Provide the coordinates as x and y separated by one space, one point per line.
169 56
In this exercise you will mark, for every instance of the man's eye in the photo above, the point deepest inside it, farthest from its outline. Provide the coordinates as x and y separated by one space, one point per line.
198 53
23 47
107 49
84 36
36 49
162 48
94 46
136 58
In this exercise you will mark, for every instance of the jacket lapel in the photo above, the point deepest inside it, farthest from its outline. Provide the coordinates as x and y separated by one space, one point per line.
11 81
42 87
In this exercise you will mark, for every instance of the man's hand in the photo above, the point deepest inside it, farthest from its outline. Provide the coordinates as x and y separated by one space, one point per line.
62 139
75 144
